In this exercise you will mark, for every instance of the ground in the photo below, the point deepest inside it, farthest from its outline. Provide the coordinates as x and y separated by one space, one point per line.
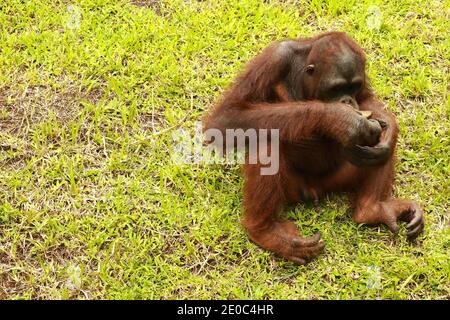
91 204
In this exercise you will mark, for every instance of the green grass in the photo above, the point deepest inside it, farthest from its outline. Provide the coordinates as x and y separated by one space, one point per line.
91 205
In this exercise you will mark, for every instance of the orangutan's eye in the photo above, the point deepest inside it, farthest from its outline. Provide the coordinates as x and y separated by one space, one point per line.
309 69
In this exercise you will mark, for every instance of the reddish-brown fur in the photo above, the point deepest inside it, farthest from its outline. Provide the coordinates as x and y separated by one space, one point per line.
317 139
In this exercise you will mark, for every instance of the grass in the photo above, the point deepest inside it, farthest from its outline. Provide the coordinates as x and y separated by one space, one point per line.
91 205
